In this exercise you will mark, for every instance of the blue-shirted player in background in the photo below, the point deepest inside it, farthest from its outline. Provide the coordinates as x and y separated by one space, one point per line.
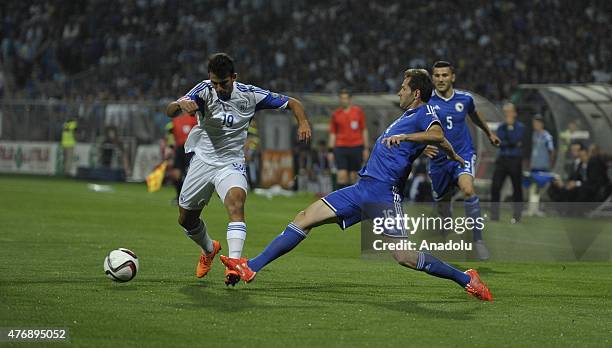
380 185
453 106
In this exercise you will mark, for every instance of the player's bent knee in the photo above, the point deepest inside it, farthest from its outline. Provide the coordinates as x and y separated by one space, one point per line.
300 217
301 220
469 192
405 258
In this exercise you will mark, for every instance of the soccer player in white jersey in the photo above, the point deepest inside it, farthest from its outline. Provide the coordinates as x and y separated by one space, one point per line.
224 108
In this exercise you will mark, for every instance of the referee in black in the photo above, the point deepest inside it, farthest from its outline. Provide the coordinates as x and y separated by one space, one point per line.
509 162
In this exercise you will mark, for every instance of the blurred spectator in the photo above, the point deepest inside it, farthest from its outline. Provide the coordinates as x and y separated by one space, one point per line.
134 49
543 147
573 160
570 135
112 152
418 187
588 183
252 154
322 169
68 143
348 136
509 162
542 161
321 163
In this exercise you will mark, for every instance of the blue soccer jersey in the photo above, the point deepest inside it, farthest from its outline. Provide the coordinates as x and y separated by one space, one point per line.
383 176
453 113
392 165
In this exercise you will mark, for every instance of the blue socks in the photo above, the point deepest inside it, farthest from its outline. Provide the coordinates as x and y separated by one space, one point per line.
472 209
429 264
291 236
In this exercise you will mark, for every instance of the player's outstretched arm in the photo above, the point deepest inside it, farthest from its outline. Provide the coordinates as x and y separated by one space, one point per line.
433 136
304 131
479 121
176 108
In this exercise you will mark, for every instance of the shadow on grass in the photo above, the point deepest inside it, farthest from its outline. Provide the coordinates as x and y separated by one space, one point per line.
229 300
320 295
425 308
59 281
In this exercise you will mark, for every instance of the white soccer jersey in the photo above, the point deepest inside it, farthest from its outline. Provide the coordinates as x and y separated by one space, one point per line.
219 137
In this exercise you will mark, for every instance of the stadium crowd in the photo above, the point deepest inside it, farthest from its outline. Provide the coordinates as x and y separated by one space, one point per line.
157 48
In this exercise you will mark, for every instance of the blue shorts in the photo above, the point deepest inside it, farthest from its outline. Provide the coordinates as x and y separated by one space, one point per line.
444 174
367 199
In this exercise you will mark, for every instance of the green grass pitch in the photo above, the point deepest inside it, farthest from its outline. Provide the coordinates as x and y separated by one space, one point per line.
55 233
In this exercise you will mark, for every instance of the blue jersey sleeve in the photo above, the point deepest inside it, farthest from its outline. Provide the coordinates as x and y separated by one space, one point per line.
428 118
550 145
471 107
270 100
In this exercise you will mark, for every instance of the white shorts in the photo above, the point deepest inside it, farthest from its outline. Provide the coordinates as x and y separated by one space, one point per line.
203 179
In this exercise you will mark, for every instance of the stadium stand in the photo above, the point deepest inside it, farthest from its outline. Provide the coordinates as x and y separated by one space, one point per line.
157 48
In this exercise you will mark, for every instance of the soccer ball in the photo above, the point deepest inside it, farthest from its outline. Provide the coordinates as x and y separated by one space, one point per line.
121 265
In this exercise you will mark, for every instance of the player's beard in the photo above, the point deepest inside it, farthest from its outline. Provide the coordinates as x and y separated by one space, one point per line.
442 88
408 103
224 95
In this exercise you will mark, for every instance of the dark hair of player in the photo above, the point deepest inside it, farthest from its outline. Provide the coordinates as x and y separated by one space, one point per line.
221 65
345 91
443 64
419 79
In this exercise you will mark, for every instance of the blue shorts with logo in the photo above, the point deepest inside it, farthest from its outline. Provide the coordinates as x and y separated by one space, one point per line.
444 173
367 199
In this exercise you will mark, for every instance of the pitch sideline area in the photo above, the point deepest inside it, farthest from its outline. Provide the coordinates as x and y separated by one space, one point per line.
55 233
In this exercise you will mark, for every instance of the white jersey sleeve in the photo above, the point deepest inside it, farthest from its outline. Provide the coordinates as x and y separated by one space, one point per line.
200 94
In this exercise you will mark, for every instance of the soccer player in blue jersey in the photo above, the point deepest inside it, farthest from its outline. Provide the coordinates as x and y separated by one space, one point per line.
380 186
453 107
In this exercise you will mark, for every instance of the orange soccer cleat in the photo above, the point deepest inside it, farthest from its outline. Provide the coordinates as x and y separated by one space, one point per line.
206 260
241 266
477 288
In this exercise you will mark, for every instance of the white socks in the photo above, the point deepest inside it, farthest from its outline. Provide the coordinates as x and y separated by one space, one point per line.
201 238
236 234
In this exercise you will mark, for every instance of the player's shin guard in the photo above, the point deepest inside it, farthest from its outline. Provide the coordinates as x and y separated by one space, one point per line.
200 236
472 209
282 244
431 265
236 234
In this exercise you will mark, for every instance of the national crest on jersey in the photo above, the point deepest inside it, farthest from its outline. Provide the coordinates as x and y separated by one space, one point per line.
393 165
453 113
219 137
